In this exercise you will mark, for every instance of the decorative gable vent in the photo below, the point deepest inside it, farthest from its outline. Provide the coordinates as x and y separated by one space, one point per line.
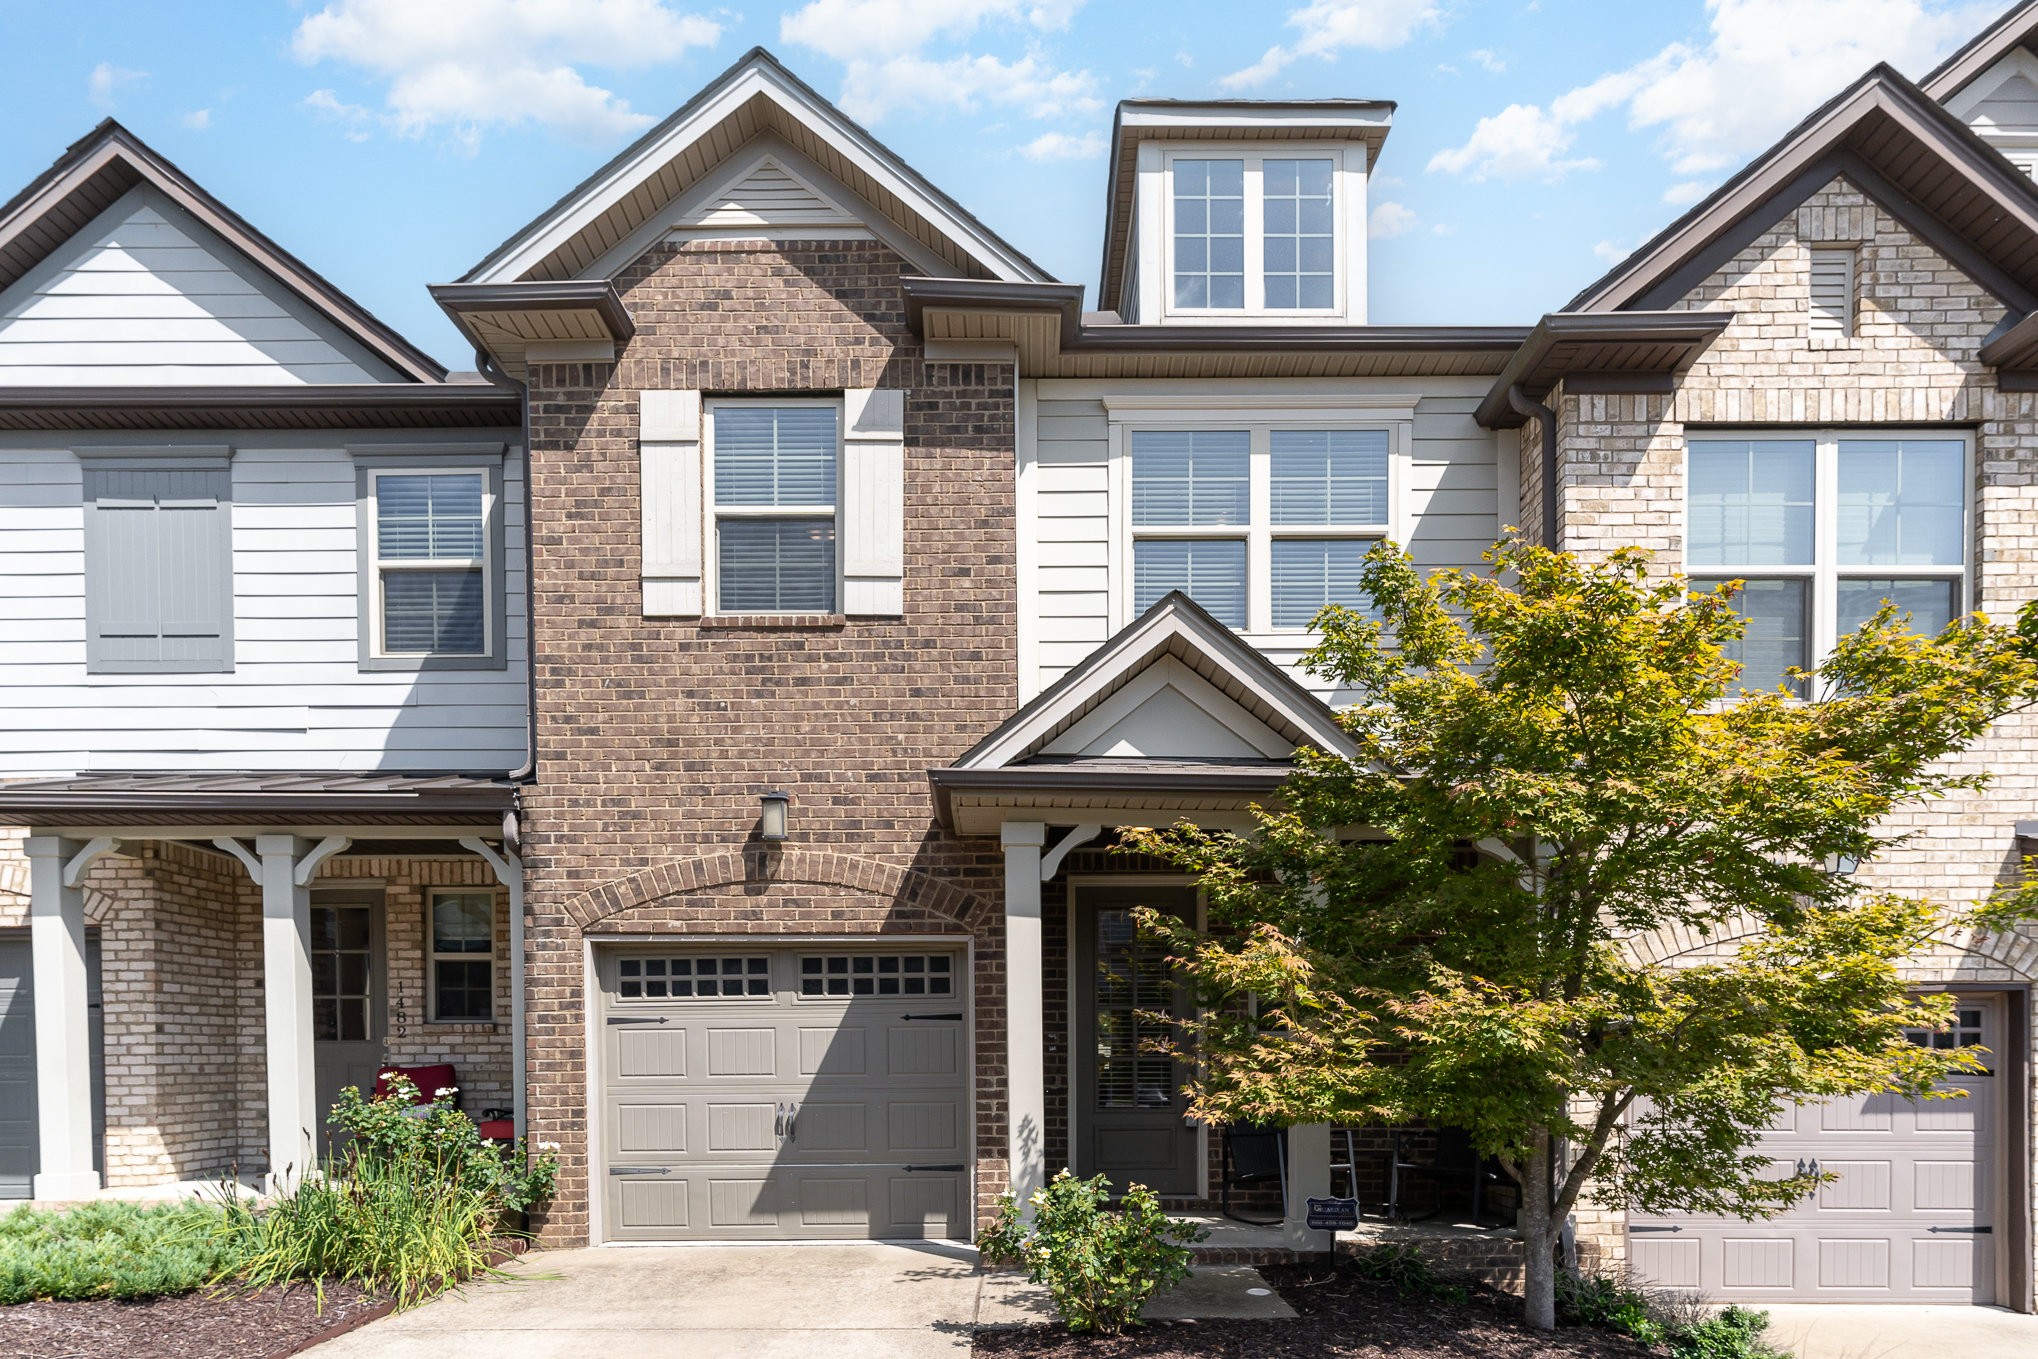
1832 299
769 195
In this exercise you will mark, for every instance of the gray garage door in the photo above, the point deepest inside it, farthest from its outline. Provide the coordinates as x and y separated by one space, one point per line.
18 1133
1911 1219
774 1093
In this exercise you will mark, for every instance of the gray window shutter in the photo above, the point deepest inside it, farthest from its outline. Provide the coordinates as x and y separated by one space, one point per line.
874 502
669 486
158 569
1832 285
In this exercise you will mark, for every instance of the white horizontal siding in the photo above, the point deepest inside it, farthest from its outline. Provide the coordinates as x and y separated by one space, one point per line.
1449 493
2011 107
296 698
144 295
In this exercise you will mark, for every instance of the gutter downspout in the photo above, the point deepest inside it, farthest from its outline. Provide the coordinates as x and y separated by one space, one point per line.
512 839
1525 405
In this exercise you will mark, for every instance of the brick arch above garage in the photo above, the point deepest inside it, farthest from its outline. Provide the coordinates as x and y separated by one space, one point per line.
779 876
1949 956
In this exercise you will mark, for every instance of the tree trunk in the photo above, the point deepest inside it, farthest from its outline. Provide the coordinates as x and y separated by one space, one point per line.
1539 1236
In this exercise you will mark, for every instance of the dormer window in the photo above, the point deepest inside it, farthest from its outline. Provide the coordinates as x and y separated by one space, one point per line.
1253 233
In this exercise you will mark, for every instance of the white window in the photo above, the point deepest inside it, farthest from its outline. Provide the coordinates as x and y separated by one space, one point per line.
1824 527
431 567
1253 233
1263 524
461 965
774 476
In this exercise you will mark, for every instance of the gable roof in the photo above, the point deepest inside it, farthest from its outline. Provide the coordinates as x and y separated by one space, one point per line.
109 162
1891 140
755 96
2010 31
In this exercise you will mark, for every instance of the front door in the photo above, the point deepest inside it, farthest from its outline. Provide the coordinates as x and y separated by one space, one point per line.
346 995
1129 1111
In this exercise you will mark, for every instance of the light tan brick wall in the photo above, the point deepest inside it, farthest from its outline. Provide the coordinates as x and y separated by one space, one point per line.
1912 361
656 736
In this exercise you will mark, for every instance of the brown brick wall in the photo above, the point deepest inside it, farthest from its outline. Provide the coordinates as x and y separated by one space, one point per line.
655 737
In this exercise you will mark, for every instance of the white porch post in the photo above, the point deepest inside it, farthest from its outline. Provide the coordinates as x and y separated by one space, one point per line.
1025 1066
63 1050
286 990
509 871
1308 1177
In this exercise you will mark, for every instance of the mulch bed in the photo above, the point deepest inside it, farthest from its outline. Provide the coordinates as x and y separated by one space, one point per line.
1340 1316
190 1326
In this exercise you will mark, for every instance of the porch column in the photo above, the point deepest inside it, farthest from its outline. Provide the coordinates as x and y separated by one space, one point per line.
1025 1067
286 1001
63 1050
1308 1177
509 871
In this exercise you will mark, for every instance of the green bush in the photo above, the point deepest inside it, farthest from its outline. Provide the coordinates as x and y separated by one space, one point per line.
1597 1301
1100 1266
1732 1333
1657 1318
412 1203
1408 1271
111 1250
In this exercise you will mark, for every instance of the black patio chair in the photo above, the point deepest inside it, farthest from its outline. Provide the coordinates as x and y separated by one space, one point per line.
1254 1154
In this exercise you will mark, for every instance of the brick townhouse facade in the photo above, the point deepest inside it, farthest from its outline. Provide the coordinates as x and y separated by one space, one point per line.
739 817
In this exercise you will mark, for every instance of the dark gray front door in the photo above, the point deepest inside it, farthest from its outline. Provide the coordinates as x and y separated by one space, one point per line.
20 1156
346 995
1128 1109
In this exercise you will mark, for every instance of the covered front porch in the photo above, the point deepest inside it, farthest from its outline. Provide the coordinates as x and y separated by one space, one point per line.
211 957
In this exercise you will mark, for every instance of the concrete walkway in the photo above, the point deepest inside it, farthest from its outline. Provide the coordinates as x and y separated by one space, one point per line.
759 1302
1828 1331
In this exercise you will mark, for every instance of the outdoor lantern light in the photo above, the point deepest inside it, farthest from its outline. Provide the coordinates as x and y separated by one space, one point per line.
771 825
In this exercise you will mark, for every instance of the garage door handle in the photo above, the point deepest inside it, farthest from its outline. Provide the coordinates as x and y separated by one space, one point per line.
640 1170
640 1019
956 1016
1964 1231
956 1167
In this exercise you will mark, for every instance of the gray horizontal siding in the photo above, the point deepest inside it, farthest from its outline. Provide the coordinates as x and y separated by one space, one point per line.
296 698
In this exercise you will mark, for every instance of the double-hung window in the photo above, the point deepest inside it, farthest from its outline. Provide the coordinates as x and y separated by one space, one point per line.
431 572
462 962
775 477
1261 525
1823 528
1252 233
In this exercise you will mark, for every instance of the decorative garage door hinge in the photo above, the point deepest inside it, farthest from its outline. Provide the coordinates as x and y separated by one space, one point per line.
956 1166
957 1015
640 1019
1964 1231
640 1170
1645 1227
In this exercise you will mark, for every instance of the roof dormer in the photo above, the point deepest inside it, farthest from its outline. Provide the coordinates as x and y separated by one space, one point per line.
1240 212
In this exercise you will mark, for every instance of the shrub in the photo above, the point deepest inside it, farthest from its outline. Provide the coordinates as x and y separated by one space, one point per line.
1408 1271
1732 1333
111 1250
1100 1266
1598 1301
1656 1317
412 1203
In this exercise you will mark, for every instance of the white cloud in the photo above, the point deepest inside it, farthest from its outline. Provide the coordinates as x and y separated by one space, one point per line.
1488 60
1329 27
465 65
1610 252
357 122
1763 65
198 119
1686 192
1390 219
874 30
1062 146
870 91
106 78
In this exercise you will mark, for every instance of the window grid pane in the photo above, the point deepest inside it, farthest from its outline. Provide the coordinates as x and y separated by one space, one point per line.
775 455
434 613
1309 573
1901 502
1210 571
1751 502
430 517
463 922
776 565
1209 203
1931 604
1297 254
1329 476
1777 635
1185 477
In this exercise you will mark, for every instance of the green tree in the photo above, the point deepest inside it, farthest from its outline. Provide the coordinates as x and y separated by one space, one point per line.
1552 760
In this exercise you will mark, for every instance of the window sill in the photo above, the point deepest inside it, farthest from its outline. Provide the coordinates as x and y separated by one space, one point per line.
810 621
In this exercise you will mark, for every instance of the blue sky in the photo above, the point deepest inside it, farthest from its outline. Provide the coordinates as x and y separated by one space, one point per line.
392 143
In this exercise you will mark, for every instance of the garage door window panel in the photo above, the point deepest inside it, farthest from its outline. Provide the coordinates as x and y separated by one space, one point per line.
911 974
693 978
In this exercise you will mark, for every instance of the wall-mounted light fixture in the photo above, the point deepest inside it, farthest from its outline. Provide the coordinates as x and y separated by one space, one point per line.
771 823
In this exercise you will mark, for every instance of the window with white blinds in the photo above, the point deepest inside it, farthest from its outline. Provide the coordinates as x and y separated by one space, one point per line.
1832 291
1822 528
775 472
431 547
1261 525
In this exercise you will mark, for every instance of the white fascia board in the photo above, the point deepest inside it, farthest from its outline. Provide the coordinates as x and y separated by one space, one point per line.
2019 61
547 236
1361 121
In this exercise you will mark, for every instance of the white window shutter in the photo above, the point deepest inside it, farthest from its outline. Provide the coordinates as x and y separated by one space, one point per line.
1832 305
874 502
669 485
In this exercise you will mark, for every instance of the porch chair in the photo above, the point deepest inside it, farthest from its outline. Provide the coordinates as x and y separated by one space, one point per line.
495 1125
1254 1154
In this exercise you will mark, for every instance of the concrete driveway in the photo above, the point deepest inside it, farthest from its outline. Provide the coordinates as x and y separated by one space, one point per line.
1826 1331
759 1302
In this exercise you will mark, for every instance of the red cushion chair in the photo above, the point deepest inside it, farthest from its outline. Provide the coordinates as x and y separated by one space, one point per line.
429 1080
